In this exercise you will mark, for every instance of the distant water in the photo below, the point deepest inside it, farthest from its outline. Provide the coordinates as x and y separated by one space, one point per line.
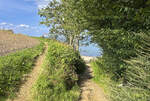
91 50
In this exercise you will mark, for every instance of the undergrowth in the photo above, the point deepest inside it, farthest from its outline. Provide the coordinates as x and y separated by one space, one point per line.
59 76
115 90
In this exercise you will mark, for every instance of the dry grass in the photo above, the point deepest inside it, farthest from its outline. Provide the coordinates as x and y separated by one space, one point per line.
10 42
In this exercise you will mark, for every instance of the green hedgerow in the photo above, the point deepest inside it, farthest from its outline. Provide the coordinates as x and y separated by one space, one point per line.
58 79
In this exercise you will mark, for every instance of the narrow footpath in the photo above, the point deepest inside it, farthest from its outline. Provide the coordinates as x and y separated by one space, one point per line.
90 91
24 93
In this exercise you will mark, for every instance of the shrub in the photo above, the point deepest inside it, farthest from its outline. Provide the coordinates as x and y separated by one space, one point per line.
137 83
118 45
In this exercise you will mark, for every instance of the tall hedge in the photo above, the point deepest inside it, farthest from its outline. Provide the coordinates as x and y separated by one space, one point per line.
118 45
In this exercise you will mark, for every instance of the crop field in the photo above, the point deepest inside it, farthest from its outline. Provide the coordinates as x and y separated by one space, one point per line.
10 42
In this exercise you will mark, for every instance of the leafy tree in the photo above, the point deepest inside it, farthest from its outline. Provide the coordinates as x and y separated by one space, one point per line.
115 25
59 15
120 27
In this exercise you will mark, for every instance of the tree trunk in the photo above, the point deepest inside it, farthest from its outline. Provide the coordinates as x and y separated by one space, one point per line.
77 44
71 41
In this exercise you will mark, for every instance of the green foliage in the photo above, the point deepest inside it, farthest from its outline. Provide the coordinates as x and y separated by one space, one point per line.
121 29
14 66
117 45
130 15
116 91
2 98
116 27
129 94
135 86
60 17
59 76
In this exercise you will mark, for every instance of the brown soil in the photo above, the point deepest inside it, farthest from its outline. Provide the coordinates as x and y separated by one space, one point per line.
10 42
90 91
24 93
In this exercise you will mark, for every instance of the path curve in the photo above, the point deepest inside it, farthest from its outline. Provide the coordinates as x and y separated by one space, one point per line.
90 91
24 93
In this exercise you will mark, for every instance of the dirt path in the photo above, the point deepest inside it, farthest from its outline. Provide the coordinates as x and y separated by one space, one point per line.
90 91
24 92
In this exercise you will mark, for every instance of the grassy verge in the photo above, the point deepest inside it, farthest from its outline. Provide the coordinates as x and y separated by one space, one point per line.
13 67
3 98
101 77
58 79
115 91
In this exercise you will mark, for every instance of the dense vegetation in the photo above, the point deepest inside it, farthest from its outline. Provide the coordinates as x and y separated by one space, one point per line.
136 75
59 74
122 29
14 66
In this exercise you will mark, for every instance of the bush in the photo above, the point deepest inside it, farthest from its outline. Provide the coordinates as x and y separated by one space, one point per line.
58 79
118 45
14 66
137 77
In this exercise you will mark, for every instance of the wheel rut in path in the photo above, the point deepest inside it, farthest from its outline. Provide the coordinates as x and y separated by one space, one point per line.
90 91
24 93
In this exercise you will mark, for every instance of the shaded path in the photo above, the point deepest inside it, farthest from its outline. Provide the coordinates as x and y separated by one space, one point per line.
90 91
24 93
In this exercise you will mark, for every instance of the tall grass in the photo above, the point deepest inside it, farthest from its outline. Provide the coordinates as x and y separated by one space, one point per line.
117 91
14 66
59 76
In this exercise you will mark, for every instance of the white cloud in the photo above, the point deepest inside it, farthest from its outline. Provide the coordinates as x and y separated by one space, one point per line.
11 24
25 29
42 3
24 26
3 23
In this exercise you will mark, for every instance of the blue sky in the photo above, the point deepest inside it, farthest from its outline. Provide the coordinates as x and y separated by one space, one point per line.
22 17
